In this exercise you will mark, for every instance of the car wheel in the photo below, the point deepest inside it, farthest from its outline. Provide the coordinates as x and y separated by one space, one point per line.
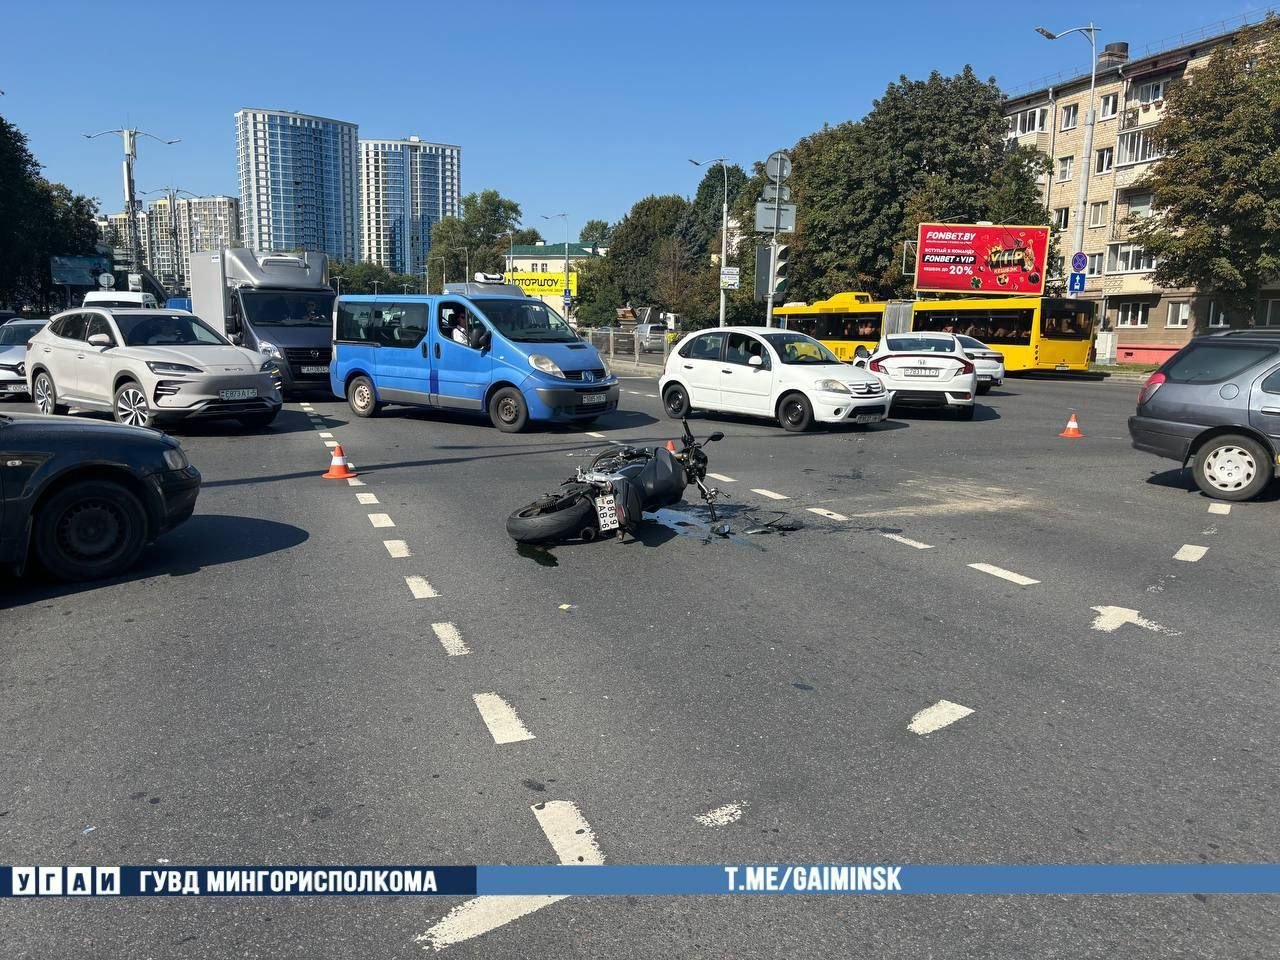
1232 467
676 402
45 395
130 406
256 421
89 530
508 411
361 397
966 412
795 413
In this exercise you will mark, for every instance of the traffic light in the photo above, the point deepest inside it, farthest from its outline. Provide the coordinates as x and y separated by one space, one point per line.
779 287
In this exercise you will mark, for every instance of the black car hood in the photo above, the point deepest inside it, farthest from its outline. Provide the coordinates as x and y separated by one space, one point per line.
21 428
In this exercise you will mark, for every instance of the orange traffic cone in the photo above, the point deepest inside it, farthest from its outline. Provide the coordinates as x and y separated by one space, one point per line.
1073 429
339 469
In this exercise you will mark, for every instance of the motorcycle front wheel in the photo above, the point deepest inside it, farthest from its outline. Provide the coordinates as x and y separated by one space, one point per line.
560 517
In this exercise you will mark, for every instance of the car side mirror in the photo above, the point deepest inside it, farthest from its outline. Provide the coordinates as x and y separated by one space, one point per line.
718 435
862 352
860 363
237 339
755 361
99 340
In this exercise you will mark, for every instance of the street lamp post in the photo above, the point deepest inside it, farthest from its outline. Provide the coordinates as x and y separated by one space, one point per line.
1087 158
724 224
566 256
338 281
376 285
130 137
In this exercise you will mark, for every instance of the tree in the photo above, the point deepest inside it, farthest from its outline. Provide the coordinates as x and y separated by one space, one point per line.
634 250
598 296
1216 190
596 231
478 239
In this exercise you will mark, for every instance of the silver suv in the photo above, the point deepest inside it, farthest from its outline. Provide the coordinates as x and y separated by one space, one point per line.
148 367
1215 405
651 337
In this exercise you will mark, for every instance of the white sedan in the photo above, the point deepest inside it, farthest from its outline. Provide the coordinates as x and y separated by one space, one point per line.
926 370
989 363
771 373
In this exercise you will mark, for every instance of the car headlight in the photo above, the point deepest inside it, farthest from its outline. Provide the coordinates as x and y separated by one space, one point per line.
608 370
831 386
546 365
269 350
160 366
175 458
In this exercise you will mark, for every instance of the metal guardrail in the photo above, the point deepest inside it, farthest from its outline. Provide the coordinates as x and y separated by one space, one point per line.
623 345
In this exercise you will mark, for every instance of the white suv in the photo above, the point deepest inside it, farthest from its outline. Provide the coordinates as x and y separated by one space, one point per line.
769 373
148 367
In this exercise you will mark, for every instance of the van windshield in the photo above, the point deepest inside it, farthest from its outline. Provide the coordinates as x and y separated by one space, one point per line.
526 321
287 308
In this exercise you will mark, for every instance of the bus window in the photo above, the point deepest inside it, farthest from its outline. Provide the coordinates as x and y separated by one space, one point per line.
1066 321
801 323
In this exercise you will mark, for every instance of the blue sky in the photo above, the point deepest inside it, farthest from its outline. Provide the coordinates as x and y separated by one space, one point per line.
577 106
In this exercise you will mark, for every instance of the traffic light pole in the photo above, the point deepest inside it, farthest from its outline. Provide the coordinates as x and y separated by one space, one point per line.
773 260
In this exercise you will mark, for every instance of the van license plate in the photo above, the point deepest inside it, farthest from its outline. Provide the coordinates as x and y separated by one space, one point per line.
247 393
607 512
589 398
323 369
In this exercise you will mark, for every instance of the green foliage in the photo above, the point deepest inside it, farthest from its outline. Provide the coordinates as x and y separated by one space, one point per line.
596 231
636 261
598 296
477 240
1216 191
362 277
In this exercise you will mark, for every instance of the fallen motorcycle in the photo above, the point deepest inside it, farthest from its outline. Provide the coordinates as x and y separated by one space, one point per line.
615 489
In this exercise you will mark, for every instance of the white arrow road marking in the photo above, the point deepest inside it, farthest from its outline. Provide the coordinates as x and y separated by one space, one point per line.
1111 619
721 816
1190 552
500 717
941 714
1003 574
571 837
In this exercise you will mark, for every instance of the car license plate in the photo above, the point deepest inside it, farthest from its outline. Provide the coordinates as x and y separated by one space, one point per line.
607 512
920 371
13 388
247 393
590 398
324 369
867 418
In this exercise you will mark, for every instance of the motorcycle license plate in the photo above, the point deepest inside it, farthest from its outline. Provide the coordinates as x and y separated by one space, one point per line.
607 512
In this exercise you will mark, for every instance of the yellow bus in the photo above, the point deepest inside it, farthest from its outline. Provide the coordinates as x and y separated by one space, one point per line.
842 323
1032 333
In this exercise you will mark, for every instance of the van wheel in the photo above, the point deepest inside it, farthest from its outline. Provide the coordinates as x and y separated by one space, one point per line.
508 411
795 413
676 402
361 398
1232 467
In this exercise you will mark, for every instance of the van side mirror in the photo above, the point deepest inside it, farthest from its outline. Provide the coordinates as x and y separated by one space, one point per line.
481 338
237 339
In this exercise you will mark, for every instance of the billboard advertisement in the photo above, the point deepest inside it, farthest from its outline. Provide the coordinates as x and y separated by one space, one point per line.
543 284
985 259
78 271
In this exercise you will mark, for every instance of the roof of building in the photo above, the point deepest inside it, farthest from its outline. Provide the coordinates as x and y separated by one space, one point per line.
556 250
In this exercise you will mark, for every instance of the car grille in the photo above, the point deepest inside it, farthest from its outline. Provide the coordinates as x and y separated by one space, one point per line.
299 357
596 374
215 408
867 389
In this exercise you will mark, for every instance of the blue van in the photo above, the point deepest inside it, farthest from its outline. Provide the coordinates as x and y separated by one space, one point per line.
482 347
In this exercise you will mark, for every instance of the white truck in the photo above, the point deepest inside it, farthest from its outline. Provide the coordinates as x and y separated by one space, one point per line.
278 304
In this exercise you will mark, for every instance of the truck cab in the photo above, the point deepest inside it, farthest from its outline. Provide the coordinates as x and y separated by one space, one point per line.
482 347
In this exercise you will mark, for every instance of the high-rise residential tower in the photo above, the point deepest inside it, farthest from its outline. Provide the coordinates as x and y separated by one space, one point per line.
406 187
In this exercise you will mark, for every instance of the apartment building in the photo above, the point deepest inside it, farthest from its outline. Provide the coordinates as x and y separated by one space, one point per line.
1149 322
168 239
406 187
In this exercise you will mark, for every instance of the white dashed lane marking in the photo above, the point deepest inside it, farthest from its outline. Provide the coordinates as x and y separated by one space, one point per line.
450 639
352 481
420 589
721 477
721 816
397 548
829 514
381 520
907 541
1223 508
941 714
652 396
332 443
500 717
1009 575
770 494
366 498
327 436
571 837
1190 552
592 433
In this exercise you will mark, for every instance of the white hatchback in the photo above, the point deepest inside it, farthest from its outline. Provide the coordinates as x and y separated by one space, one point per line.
772 373
926 370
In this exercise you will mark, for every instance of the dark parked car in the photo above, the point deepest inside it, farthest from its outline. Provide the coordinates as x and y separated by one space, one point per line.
1215 405
84 498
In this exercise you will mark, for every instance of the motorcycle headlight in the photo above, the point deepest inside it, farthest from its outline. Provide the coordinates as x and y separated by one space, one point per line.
269 350
545 365
160 366
831 386
175 458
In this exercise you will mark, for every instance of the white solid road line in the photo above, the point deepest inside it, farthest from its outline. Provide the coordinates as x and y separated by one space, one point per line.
397 548
1009 575
830 515
770 494
721 816
898 538
721 477
592 433
420 589
941 714
366 498
1222 508
1190 552
500 717
381 520
352 481
571 837
450 639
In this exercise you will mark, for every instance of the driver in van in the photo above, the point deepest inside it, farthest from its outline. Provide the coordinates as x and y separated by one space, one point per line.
458 326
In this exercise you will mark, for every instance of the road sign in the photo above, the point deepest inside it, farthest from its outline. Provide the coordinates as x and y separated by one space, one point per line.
106 280
1077 282
135 283
1079 261
778 166
786 215
777 191
729 278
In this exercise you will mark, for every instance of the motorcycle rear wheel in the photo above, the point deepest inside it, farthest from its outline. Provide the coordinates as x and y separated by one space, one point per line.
560 517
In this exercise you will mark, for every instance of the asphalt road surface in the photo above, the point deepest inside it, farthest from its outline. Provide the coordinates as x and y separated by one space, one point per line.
302 674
